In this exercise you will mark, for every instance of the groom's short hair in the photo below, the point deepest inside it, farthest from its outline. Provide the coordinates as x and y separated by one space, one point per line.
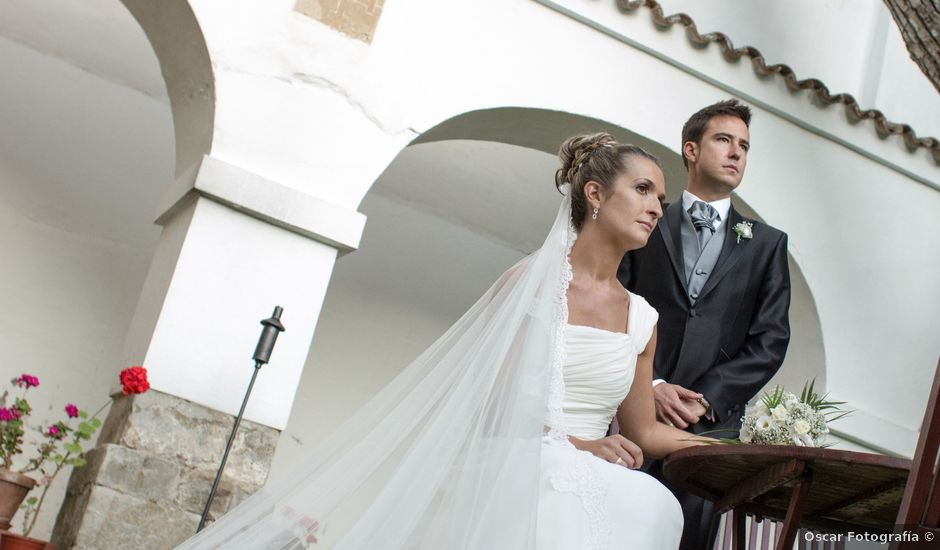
694 128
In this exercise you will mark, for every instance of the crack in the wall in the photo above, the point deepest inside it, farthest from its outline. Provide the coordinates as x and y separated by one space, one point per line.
327 84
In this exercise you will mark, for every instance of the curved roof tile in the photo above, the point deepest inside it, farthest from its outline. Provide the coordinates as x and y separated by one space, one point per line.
820 92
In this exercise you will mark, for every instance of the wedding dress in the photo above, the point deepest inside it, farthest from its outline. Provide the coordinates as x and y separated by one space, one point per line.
468 447
587 502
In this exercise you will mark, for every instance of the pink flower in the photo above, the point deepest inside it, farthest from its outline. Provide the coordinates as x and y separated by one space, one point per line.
27 380
71 410
54 431
6 414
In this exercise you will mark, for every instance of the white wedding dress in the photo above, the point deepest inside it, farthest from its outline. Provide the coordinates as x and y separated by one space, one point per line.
586 502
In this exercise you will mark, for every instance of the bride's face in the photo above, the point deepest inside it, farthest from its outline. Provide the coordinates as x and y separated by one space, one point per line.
635 205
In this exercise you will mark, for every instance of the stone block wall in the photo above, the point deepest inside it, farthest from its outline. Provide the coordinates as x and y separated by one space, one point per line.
147 480
355 18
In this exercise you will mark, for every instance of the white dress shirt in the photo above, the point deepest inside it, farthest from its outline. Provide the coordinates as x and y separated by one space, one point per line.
722 206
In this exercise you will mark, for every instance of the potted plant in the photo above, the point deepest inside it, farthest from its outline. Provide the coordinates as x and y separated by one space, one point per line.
60 445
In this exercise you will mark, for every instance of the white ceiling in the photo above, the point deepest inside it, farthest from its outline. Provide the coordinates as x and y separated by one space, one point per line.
98 36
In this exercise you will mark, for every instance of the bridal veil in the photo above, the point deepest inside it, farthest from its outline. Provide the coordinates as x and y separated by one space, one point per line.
447 455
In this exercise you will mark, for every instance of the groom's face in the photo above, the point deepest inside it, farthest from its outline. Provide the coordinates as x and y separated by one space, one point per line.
721 156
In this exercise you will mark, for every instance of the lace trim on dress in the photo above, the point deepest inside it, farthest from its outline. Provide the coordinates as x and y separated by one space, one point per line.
583 480
557 431
590 486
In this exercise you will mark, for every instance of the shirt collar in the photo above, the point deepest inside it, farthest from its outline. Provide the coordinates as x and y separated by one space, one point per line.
722 206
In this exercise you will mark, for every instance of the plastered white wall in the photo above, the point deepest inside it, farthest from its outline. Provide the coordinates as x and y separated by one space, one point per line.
82 161
852 46
811 174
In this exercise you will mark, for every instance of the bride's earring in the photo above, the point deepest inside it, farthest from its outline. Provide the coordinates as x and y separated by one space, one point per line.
594 215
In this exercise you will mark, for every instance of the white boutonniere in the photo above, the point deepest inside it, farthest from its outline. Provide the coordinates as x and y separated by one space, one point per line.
743 230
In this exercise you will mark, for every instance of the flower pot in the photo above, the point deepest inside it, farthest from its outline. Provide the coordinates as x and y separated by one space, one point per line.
9 541
13 489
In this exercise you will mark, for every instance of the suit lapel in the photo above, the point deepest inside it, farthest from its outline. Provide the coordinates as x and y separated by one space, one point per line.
731 252
670 229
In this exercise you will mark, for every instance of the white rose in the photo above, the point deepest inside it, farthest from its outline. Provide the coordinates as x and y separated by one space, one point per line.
801 427
763 424
779 412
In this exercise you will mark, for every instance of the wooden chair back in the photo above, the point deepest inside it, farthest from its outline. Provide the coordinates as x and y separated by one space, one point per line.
920 505
763 535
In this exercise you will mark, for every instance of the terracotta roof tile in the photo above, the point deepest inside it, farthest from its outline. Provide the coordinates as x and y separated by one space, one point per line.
821 93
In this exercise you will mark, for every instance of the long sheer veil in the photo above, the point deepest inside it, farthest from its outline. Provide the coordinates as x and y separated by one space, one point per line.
447 455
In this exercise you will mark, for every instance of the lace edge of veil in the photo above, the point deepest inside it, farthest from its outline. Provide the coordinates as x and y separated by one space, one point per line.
557 432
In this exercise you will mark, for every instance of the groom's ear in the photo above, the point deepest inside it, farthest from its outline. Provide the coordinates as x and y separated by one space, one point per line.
690 151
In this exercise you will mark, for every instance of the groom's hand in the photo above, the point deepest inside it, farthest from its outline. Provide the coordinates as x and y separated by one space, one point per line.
615 449
672 405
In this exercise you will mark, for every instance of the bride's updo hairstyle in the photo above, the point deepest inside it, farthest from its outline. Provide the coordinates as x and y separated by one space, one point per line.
593 157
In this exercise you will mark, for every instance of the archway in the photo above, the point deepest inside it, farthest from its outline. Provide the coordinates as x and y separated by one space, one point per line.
460 204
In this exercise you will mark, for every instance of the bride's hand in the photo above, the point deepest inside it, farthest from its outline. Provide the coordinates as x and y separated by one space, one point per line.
615 449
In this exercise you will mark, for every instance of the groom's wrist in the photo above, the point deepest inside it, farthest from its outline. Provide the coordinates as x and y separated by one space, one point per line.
709 412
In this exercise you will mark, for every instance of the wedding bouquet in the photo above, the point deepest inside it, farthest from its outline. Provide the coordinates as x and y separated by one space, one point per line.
782 418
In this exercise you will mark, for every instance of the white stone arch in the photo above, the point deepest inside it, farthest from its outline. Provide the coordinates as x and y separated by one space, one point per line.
458 205
173 31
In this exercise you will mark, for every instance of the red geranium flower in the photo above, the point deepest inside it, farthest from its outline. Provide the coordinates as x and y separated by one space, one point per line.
27 380
134 380
71 410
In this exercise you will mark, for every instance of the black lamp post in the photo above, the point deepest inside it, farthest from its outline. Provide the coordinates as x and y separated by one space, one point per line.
272 327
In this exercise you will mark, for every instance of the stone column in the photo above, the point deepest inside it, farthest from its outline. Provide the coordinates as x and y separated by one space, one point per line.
234 245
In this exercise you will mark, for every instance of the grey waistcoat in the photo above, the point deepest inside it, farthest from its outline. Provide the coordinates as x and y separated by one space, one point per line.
699 266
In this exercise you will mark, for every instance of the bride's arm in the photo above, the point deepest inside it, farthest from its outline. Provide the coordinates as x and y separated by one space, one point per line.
637 413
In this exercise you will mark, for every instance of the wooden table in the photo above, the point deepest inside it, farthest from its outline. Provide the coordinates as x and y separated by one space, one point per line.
821 489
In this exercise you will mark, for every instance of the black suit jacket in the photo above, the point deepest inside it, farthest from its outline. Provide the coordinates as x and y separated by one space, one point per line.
734 339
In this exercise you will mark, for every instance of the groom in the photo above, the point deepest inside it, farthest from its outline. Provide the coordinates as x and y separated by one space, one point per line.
722 288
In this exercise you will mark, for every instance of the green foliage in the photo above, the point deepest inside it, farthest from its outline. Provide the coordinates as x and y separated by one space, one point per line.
820 403
774 398
59 446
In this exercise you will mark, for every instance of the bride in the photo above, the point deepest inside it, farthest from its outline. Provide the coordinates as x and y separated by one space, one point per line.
496 436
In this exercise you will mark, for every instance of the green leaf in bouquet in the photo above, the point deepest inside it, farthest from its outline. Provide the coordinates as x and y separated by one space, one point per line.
74 448
58 458
95 422
78 462
83 414
773 398
32 501
725 441
840 415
